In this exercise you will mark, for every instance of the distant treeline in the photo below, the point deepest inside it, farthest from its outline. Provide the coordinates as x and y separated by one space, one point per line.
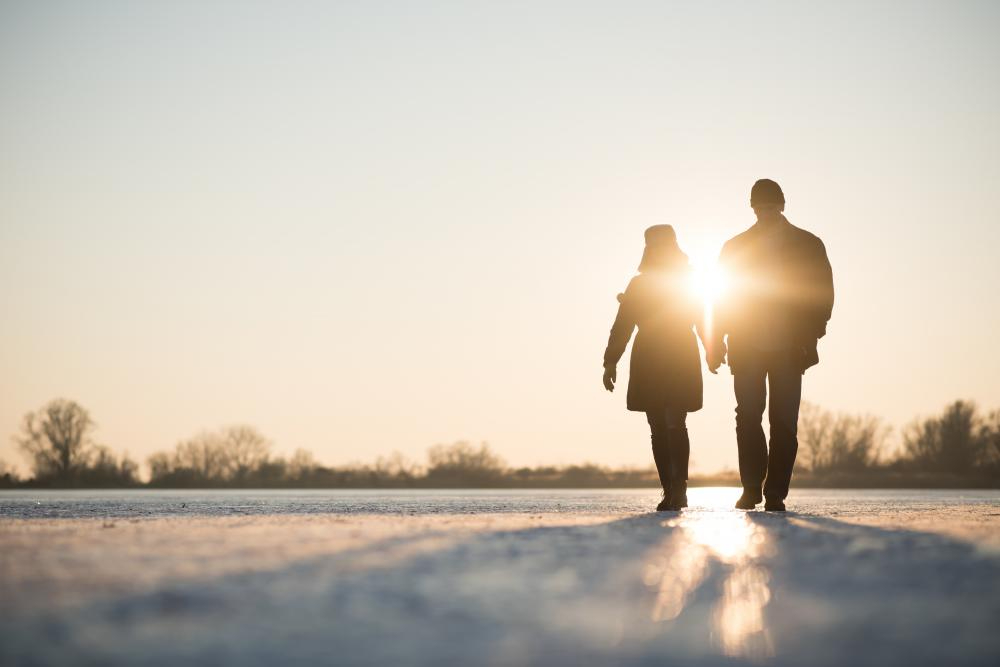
960 448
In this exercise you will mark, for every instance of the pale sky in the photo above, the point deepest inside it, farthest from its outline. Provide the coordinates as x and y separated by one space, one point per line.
375 226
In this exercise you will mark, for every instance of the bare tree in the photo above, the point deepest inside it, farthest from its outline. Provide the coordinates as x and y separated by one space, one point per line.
840 442
8 476
991 438
202 456
57 439
956 442
244 450
301 464
105 469
814 434
461 463
160 465
396 466
232 453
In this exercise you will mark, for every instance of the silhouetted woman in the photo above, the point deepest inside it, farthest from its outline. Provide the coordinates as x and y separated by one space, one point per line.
665 370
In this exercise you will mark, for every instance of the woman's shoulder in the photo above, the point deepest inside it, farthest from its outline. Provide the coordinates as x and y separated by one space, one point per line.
657 281
635 286
639 281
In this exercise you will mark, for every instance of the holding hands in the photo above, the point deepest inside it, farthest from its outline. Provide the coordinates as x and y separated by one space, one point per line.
715 357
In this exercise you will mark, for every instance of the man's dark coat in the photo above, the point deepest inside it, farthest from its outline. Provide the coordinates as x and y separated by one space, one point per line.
793 283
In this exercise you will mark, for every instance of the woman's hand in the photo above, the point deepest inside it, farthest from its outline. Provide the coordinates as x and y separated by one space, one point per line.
610 377
715 356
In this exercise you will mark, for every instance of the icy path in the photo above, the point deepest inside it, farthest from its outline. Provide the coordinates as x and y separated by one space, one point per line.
833 584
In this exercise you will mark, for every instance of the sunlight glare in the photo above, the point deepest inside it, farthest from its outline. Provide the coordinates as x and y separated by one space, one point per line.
708 281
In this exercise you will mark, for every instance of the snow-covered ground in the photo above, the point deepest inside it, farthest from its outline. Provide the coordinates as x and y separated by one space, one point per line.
498 578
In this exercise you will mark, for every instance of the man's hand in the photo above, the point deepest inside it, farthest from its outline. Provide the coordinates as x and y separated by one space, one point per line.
809 356
715 358
610 377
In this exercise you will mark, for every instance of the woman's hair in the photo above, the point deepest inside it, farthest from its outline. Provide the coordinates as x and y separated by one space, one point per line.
662 251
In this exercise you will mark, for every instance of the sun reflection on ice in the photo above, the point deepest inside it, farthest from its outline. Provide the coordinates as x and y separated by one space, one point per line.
683 563
739 619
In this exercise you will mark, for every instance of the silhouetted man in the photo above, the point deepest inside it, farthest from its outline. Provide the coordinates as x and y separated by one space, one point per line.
776 309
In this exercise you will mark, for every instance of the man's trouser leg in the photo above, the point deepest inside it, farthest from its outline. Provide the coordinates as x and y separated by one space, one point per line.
751 396
785 387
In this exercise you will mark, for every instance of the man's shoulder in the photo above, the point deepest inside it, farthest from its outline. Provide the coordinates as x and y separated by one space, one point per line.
738 241
806 237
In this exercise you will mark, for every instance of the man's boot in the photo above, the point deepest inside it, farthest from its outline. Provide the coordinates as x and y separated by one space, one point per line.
774 505
750 499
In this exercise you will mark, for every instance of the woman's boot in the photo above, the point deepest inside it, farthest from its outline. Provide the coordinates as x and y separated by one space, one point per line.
678 494
662 460
680 453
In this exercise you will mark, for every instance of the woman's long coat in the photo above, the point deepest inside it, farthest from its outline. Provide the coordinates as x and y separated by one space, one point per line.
665 370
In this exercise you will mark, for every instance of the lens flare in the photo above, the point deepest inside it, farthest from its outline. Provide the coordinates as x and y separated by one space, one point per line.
708 282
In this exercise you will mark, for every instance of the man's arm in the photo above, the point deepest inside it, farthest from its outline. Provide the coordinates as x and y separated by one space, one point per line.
716 326
822 305
817 304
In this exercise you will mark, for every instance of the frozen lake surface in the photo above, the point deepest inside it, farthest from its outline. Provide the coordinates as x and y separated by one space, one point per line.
497 578
177 503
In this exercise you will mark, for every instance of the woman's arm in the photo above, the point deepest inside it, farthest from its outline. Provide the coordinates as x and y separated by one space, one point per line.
621 333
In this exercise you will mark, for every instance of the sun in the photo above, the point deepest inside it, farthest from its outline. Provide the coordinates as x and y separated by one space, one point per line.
707 282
